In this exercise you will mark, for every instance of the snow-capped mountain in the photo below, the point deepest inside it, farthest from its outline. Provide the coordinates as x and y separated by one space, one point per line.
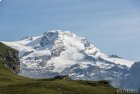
62 52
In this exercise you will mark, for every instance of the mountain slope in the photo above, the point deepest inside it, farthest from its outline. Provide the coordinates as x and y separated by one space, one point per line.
9 65
9 57
132 76
11 83
57 52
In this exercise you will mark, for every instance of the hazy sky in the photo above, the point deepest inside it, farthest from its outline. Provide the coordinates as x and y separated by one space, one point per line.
112 25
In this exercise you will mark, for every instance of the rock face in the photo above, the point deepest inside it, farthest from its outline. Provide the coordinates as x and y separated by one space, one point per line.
64 53
9 57
64 77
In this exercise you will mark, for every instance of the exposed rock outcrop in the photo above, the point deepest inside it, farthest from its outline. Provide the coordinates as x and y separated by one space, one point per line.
9 57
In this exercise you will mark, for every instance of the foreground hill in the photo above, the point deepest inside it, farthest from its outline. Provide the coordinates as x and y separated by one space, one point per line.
10 83
9 57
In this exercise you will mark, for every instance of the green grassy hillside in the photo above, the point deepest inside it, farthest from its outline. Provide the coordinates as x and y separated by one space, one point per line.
11 83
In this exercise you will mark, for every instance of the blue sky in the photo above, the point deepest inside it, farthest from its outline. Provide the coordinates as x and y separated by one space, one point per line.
112 25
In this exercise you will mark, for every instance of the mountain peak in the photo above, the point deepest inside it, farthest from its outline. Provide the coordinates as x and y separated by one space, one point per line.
61 32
